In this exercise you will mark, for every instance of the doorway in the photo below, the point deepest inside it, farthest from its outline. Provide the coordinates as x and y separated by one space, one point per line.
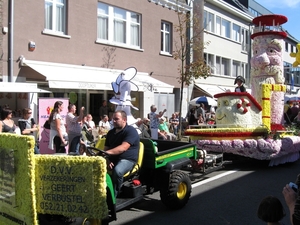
95 103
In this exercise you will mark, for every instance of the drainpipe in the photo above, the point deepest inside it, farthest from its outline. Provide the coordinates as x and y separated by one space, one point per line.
250 25
10 40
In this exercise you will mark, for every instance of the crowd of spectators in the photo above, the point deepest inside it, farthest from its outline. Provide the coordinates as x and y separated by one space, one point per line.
201 116
291 110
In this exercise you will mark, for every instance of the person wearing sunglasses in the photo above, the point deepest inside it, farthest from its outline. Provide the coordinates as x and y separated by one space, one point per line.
28 126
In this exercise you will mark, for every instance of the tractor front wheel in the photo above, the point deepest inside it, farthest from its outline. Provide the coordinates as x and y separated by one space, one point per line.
177 192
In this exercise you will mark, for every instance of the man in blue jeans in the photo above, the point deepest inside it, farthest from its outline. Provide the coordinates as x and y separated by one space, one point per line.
122 144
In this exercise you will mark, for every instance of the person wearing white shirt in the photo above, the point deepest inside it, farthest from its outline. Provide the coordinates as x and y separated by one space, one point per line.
74 127
104 125
90 121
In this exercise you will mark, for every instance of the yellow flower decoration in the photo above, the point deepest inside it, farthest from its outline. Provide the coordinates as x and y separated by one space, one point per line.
55 184
266 104
21 206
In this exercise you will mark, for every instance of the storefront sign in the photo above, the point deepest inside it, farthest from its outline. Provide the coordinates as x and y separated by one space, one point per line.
83 85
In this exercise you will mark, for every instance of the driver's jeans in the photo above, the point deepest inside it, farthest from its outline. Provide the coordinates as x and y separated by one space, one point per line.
122 167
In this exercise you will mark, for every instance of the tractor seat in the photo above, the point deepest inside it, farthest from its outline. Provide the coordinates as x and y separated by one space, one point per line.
100 145
138 165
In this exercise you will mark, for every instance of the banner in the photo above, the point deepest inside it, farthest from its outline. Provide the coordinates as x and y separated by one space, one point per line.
45 107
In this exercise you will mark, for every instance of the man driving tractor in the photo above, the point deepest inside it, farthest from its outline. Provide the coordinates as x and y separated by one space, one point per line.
122 144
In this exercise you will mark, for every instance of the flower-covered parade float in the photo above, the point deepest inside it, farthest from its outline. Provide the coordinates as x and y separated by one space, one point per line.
250 125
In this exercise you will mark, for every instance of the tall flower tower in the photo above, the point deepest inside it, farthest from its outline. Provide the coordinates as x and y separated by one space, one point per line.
267 66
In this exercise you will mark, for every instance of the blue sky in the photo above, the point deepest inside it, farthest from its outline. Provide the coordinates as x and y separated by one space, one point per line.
288 8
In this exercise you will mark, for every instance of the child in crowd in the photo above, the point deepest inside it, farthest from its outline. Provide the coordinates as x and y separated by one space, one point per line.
271 211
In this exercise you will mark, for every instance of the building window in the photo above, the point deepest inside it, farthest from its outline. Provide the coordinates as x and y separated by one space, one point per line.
236 68
254 12
55 15
222 27
135 29
209 21
223 66
102 22
218 65
218 25
287 77
286 71
236 32
286 46
118 26
245 40
292 48
225 32
166 30
209 60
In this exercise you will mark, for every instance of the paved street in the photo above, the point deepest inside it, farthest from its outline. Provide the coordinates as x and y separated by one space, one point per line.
231 199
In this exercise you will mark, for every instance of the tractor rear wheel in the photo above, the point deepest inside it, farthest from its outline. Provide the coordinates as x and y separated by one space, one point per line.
177 192
87 221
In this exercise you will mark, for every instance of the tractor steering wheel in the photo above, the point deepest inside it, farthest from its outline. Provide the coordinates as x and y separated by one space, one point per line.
97 152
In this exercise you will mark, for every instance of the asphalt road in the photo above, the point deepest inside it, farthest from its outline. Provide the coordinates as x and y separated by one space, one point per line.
227 197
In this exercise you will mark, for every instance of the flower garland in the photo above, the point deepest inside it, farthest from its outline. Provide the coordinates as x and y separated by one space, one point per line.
262 149
224 133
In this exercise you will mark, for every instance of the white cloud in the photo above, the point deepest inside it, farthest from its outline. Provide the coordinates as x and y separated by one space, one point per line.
291 3
279 3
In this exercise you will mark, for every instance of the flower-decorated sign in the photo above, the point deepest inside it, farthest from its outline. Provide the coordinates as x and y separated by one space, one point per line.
69 185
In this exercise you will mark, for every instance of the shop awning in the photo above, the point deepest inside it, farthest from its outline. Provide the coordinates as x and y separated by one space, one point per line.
20 87
67 76
211 90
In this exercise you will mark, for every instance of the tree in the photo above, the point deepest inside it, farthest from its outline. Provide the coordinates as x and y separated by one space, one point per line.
109 57
189 50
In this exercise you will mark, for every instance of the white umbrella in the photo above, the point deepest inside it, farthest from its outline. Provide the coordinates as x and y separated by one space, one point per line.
203 99
291 98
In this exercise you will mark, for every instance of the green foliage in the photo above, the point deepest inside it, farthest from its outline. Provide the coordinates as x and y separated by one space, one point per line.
295 128
189 51
187 48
